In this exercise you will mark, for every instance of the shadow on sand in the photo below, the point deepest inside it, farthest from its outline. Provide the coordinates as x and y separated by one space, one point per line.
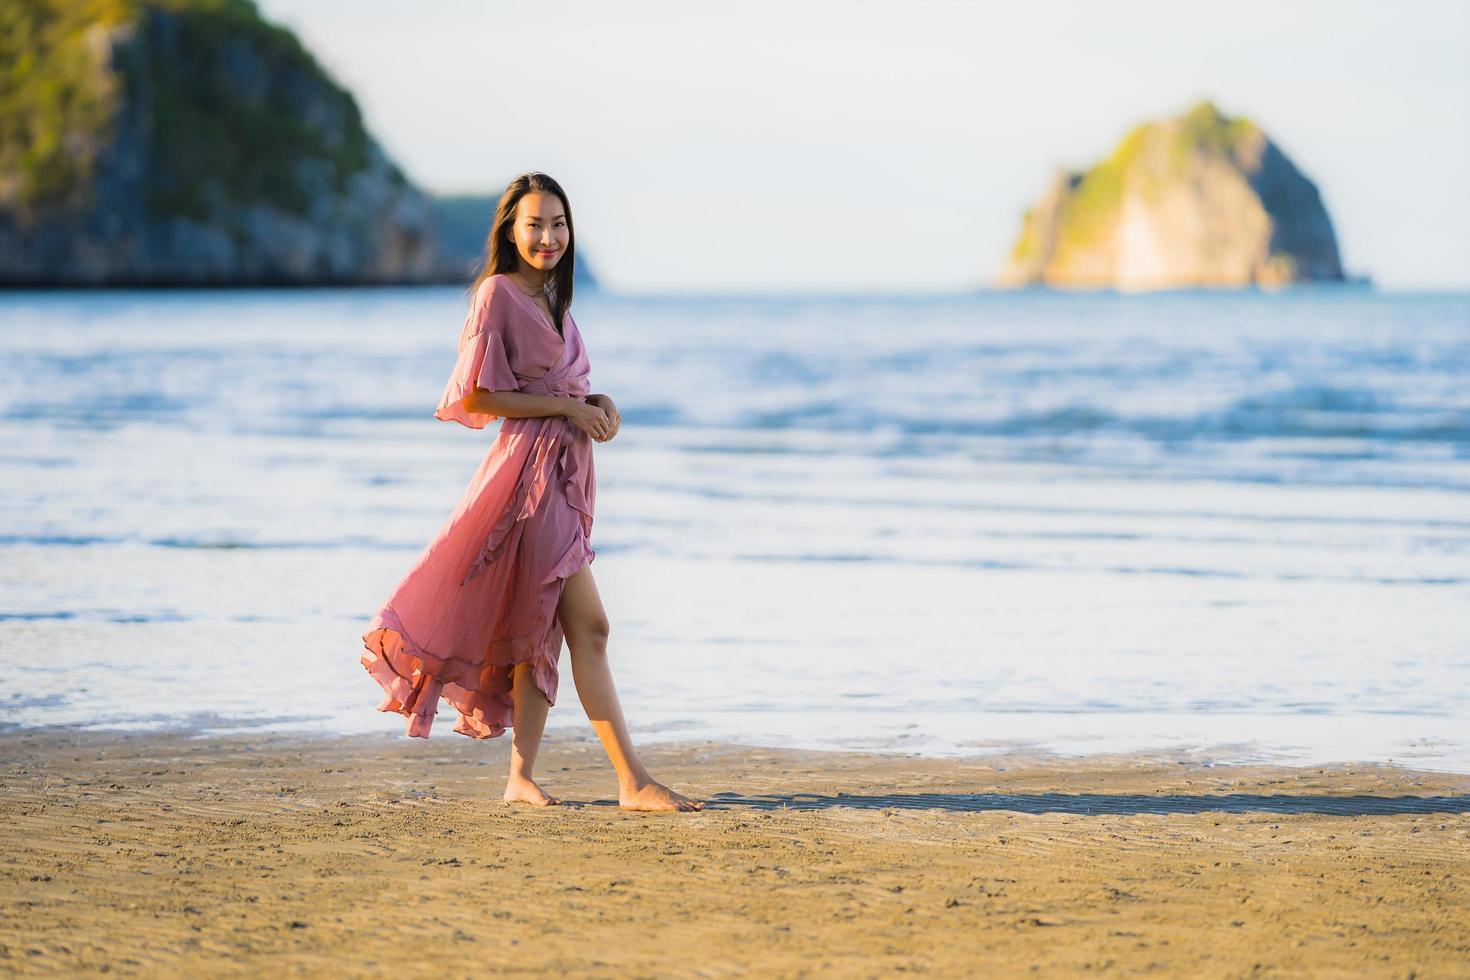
1348 806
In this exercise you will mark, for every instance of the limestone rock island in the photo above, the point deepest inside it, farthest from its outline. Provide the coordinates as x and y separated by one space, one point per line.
1199 200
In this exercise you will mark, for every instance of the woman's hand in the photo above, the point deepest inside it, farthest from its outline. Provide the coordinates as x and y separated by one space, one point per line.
609 409
606 404
588 417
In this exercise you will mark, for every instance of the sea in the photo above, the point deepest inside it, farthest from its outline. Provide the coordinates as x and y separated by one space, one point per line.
1214 526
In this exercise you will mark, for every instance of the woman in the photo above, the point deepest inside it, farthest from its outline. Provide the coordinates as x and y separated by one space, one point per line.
480 618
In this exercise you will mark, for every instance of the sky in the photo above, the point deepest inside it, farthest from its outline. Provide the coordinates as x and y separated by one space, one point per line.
833 145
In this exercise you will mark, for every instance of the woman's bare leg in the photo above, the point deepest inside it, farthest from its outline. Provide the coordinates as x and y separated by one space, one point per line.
528 721
586 627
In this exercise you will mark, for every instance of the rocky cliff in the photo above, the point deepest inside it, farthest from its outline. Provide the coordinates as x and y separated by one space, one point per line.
1198 200
190 142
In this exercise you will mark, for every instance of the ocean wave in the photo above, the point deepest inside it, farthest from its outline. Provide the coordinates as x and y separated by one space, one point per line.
1303 411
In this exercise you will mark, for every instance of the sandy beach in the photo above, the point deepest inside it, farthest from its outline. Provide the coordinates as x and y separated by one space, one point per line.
162 854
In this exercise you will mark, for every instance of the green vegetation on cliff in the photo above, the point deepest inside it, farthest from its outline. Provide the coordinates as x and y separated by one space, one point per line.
55 101
1204 129
1088 214
231 107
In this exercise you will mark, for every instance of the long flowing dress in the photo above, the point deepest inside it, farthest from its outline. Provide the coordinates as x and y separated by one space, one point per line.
482 597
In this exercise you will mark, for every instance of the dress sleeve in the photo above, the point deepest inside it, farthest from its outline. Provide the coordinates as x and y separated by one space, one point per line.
483 361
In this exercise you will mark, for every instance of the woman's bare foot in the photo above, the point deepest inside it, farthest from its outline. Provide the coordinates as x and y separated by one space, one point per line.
519 789
655 796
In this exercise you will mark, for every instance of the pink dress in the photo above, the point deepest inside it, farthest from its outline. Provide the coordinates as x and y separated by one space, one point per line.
482 596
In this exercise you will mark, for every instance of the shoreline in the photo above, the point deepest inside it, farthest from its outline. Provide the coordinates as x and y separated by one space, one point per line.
1018 750
175 853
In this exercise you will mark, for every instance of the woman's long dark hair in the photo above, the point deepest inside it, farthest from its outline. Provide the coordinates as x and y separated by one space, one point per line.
501 255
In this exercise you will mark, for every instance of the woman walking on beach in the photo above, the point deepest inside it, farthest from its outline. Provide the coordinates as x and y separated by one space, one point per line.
480 618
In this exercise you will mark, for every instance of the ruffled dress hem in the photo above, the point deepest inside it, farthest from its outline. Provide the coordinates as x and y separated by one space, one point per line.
413 679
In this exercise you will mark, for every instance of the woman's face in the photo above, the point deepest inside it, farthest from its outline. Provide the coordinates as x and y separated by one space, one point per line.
540 231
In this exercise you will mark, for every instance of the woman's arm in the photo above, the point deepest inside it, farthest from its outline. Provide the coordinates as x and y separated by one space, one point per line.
518 405
514 404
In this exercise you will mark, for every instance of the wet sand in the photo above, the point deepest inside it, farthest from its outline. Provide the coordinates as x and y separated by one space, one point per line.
168 855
